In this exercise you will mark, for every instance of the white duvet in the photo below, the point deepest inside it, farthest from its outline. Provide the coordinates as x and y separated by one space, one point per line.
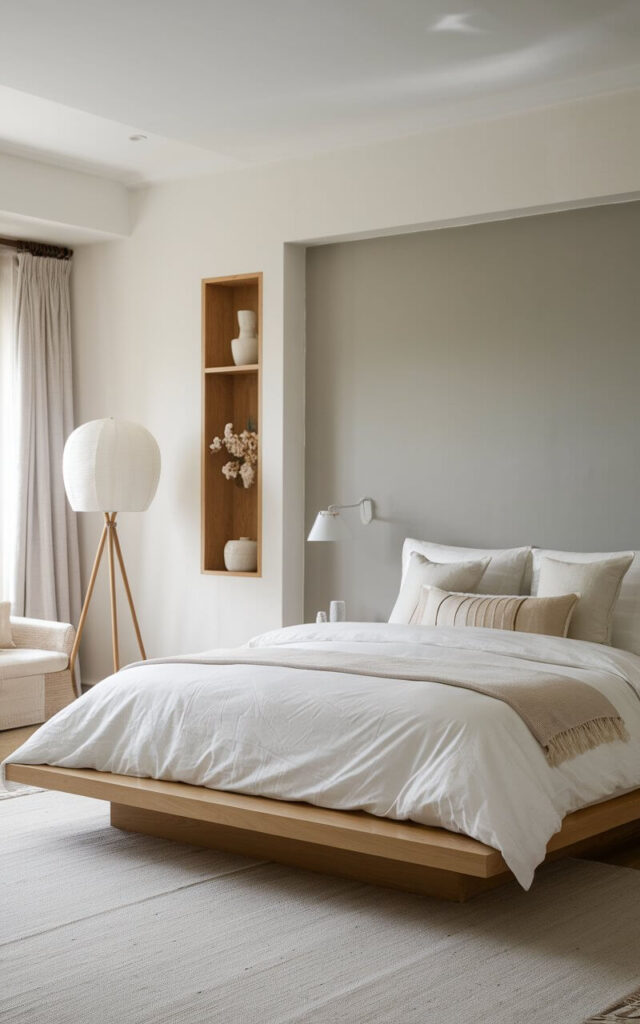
431 752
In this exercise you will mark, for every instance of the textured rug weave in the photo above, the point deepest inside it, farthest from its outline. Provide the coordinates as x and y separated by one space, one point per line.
624 1009
11 794
105 927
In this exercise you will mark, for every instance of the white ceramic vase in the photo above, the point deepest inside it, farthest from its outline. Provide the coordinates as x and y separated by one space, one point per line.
241 555
244 348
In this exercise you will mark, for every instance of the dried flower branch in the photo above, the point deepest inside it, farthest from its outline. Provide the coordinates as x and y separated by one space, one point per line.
243 448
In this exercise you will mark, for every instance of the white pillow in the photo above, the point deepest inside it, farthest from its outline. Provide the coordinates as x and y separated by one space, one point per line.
503 575
6 639
625 631
423 573
596 583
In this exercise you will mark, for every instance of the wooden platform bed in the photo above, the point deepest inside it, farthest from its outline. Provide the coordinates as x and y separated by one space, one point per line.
402 855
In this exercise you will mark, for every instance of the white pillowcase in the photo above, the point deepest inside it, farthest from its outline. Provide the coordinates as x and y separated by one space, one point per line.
625 624
423 573
6 639
504 574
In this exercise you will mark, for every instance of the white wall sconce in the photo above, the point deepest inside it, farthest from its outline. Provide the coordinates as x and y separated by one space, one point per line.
330 526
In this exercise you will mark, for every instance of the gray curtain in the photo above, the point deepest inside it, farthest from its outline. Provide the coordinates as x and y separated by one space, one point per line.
46 582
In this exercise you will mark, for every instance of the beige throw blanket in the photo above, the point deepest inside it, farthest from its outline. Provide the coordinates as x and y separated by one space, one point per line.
566 716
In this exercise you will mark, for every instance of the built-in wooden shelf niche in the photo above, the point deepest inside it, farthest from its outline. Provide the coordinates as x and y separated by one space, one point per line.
230 394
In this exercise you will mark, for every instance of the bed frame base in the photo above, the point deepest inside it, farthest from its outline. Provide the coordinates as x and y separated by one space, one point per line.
402 855
447 885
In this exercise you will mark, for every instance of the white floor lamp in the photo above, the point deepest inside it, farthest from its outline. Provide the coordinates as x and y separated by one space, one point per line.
110 466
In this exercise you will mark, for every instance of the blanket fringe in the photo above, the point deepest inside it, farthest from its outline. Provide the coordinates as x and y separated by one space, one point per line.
568 744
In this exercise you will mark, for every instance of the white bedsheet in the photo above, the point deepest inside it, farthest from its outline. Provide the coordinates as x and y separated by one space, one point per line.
436 754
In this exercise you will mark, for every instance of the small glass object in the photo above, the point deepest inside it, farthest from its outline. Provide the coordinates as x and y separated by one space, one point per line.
321 617
337 611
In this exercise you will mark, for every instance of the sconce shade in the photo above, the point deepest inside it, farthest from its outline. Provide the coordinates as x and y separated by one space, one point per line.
328 526
111 466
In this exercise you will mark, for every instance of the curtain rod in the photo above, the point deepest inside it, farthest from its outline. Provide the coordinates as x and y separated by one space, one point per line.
37 248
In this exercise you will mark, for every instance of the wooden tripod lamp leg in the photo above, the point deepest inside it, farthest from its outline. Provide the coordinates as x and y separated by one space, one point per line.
127 588
87 601
110 533
111 526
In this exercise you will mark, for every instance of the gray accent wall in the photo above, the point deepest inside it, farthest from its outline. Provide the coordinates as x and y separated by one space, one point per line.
481 384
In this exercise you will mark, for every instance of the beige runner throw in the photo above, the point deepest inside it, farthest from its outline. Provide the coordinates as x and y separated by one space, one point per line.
565 715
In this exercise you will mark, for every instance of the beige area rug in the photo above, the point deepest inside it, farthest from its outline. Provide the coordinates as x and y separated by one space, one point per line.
624 1009
101 926
10 740
10 794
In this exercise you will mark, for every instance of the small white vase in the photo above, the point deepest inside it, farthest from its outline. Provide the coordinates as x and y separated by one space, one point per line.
244 348
241 555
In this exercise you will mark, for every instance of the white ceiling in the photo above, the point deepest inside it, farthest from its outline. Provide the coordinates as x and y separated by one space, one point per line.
216 85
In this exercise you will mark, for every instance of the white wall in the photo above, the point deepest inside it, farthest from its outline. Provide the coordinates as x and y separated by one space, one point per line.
137 325
48 203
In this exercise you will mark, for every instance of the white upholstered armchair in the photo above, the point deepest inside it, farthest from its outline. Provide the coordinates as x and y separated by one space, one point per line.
35 680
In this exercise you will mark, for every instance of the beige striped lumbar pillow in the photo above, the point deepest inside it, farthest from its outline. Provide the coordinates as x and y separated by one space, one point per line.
548 615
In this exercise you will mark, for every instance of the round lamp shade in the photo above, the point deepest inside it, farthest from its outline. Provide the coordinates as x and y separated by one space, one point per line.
111 466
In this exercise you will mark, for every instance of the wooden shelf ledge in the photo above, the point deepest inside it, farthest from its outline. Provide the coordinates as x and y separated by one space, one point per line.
230 394
246 368
229 572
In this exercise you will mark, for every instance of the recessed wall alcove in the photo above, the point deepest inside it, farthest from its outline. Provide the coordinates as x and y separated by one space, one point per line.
479 382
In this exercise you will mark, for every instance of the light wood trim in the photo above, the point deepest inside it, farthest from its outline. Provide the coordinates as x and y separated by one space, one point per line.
203 421
87 600
403 843
110 534
246 368
225 515
111 519
596 819
127 590
602 845
449 885
233 279
362 833
260 460
228 572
